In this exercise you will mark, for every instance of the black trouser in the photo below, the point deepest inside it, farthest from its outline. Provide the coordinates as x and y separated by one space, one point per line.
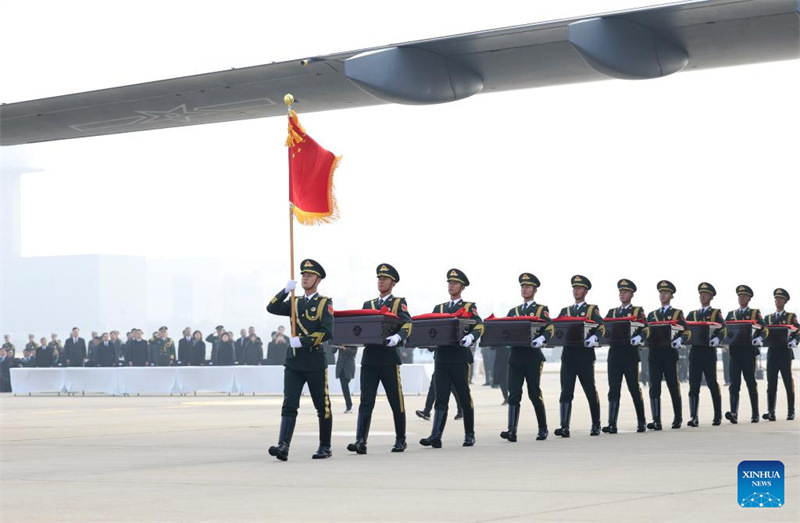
389 376
663 363
703 363
455 375
628 368
293 381
584 371
431 397
743 363
779 359
345 382
530 372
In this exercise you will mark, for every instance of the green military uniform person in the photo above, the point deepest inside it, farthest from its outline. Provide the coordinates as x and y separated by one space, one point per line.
380 364
623 361
452 365
703 358
527 363
162 349
577 361
779 357
306 362
54 343
664 362
31 345
7 345
743 356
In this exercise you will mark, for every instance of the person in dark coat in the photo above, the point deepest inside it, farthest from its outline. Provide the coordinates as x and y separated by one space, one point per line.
330 355
223 354
345 371
197 351
253 351
118 347
500 371
6 362
75 349
58 361
105 354
136 350
185 347
44 354
276 351
239 347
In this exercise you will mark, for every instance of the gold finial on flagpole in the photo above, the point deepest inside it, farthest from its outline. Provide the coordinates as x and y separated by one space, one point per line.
288 100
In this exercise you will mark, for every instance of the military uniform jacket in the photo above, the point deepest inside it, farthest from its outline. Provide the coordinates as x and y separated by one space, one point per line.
590 312
528 354
671 314
457 353
314 323
714 315
785 318
626 350
748 314
32 345
376 355
162 352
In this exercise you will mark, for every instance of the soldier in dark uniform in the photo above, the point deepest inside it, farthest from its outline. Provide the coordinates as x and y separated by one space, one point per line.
452 365
162 350
779 357
664 362
703 359
577 361
214 337
45 356
54 344
305 361
623 361
380 364
31 345
527 363
743 357
7 345
136 350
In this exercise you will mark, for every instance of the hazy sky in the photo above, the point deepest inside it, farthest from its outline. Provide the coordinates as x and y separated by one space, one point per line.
692 177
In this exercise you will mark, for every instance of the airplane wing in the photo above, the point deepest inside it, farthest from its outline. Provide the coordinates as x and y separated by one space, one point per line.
636 44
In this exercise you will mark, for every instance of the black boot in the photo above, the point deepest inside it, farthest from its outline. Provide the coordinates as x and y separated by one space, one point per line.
435 439
513 422
655 406
422 414
613 414
770 414
281 451
399 444
595 430
362 431
733 414
543 433
469 439
693 406
325 432
717 401
565 411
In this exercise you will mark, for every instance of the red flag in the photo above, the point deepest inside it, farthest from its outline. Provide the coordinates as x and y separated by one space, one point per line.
311 170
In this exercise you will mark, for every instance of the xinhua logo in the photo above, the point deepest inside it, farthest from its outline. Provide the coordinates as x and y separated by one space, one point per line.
761 484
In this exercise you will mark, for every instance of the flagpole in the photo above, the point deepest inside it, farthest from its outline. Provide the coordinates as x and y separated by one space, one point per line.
289 100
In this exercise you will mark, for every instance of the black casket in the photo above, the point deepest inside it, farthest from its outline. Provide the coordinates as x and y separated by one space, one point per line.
619 331
702 332
506 331
357 329
740 332
661 334
570 332
437 332
779 335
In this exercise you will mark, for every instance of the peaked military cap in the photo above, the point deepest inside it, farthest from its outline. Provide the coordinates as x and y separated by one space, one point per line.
163 328
781 293
309 265
457 276
626 285
707 287
527 278
581 281
219 327
666 285
744 289
384 269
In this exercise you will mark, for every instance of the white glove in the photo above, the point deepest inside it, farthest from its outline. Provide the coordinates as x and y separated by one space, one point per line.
714 342
636 340
793 344
758 342
538 343
295 343
590 342
393 340
290 286
677 344
467 340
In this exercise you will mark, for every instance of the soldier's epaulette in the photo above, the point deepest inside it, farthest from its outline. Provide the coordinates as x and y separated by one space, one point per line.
321 297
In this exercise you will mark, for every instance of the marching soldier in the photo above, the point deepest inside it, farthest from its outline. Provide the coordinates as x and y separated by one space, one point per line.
623 360
162 349
743 357
703 359
664 362
452 365
577 361
306 362
779 357
381 364
526 363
